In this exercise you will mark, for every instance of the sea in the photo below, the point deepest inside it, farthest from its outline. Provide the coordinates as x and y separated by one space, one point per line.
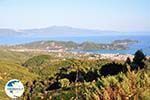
143 44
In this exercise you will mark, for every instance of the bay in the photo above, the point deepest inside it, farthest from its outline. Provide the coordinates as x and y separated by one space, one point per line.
143 44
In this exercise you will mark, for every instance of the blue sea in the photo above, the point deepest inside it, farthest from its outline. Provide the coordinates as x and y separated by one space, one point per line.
144 42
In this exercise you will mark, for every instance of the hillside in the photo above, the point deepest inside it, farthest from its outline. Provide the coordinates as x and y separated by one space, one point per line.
70 45
69 76
85 79
10 70
16 57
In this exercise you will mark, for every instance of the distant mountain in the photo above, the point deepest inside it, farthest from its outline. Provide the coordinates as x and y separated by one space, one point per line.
10 36
53 31
65 31
8 32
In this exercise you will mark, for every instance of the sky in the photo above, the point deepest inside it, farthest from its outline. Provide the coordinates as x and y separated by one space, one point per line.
116 15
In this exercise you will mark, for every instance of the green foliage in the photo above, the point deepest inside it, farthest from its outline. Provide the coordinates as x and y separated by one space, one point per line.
41 65
138 60
123 86
134 86
10 70
37 61
139 56
48 77
16 57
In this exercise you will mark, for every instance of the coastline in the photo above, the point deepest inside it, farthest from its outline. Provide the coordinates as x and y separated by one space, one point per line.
79 55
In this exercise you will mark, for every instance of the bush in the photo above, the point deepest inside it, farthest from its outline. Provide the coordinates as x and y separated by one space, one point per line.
112 69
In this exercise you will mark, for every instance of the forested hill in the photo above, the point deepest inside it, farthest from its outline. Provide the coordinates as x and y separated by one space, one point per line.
70 45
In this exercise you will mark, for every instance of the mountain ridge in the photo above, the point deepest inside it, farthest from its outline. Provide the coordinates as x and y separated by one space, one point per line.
60 30
53 45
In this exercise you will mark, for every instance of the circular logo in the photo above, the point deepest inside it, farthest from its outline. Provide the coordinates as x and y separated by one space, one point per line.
14 88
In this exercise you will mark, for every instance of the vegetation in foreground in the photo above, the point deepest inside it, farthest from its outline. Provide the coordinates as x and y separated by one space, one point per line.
94 80
49 78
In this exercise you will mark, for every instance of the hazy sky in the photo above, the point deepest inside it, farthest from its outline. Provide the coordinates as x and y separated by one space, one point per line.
118 15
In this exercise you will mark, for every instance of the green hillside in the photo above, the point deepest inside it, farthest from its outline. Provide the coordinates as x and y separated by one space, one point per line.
10 70
49 77
83 79
70 45
17 57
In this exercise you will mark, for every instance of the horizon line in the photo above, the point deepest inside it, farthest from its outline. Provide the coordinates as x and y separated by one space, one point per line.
65 26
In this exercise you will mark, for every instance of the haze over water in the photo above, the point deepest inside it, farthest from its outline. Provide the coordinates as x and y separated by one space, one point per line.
115 15
143 42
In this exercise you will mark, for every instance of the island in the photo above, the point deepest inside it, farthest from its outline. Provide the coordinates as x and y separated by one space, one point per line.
64 46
